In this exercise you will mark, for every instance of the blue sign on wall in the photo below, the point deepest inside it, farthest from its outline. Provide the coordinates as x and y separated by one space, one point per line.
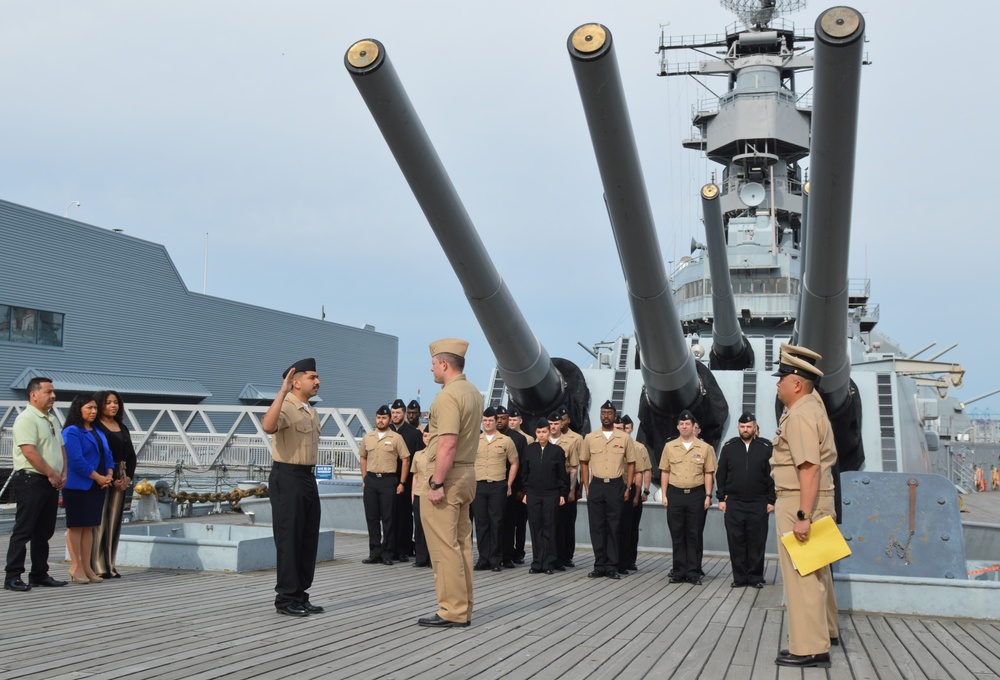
324 472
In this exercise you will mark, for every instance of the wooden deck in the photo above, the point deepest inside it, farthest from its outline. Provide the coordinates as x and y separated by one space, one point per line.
194 626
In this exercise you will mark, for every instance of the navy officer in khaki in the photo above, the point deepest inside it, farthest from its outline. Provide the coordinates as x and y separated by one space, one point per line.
496 468
385 469
687 473
607 457
295 509
802 463
453 422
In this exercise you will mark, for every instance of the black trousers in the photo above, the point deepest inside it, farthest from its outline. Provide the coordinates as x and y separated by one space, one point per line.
513 528
542 511
487 511
746 530
34 524
566 532
420 554
295 514
380 513
633 545
604 508
686 520
404 520
625 532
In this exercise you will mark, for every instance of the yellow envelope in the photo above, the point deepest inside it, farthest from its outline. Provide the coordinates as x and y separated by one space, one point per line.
824 546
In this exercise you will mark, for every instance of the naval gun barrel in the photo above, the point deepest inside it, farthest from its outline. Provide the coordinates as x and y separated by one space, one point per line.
730 349
531 378
823 303
673 381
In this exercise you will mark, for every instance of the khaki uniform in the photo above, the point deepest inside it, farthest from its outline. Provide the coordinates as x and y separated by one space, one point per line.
382 458
493 456
570 442
420 474
685 494
383 454
805 435
458 410
609 460
630 534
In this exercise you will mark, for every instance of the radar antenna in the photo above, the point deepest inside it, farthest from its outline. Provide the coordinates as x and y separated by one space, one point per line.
757 14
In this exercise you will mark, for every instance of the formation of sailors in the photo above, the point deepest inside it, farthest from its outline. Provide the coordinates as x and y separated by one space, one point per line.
517 487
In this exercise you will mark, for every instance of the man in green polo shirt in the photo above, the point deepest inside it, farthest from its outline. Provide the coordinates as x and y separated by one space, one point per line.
39 473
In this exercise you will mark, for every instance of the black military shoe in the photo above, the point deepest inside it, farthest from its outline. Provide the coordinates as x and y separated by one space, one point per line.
806 661
568 563
497 569
16 584
509 564
293 609
312 608
595 574
47 582
372 560
437 622
387 562
613 575
480 567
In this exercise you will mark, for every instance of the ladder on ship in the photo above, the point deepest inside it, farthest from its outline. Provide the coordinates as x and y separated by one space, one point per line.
621 376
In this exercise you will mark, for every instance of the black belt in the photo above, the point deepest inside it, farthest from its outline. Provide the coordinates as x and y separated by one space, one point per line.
30 472
291 467
683 490
383 474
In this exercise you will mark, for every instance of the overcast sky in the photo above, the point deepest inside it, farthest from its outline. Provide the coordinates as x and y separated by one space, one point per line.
173 119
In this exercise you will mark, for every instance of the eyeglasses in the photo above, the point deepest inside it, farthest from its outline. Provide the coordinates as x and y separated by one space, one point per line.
52 428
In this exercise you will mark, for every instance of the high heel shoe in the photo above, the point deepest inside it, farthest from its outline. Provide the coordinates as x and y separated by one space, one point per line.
74 579
95 579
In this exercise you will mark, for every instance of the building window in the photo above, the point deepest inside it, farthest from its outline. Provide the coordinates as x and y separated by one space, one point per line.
31 326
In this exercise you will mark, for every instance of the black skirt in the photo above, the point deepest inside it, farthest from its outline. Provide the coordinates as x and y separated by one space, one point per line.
84 508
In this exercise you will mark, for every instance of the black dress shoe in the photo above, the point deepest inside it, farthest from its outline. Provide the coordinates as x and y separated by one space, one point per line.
312 608
372 560
560 568
613 575
496 568
806 661
421 564
734 584
534 571
518 560
47 582
16 584
595 574
694 581
480 567
550 571
632 567
437 622
623 571
387 562
293 609
569 564
509 564
402 558
675 579
757 585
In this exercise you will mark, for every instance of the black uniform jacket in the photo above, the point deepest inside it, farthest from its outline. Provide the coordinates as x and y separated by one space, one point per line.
745 475
544 470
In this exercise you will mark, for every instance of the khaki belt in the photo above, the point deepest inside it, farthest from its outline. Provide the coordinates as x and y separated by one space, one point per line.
795 492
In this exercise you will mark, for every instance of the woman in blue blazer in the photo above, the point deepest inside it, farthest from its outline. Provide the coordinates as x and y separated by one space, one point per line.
90 472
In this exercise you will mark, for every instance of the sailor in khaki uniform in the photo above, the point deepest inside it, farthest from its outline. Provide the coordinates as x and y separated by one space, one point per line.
561 435
802 464
385 468
418 471
640 485
295 510
413 415
454 422
608 455
496 468
687 475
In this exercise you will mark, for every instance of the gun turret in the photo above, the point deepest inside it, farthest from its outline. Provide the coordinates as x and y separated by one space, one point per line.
730 349
673 380
823 302
532 380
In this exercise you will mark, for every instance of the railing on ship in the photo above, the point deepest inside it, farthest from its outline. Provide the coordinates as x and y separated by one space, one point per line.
204 439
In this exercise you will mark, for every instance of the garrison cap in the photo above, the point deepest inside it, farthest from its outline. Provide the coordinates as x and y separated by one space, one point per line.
608 405
383 410
554 417
449 345
413 405
542 424
301 365
398 404
501 410
800 361
626 419
513 412
490 412
618 420
686 415
748 417
562 411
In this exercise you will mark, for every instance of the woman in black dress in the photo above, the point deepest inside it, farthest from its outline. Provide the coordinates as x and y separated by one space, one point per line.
110 422
90 469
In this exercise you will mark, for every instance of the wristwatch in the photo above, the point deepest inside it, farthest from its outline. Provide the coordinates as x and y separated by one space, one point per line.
804 515
434 485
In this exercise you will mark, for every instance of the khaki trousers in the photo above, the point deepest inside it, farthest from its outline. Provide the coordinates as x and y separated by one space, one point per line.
448 530
809 600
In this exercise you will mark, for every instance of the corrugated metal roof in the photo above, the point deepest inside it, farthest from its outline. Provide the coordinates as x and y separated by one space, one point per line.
80 381
260 392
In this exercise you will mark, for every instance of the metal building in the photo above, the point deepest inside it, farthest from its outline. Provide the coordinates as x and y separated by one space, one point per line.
152 339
